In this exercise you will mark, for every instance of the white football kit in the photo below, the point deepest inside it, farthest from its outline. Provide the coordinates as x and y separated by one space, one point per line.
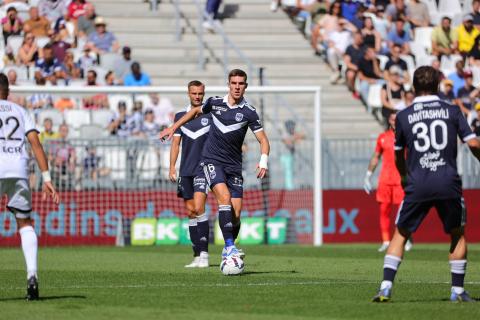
15 124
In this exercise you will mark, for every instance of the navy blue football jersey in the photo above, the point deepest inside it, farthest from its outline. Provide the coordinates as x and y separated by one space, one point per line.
194 134
230 125
428 130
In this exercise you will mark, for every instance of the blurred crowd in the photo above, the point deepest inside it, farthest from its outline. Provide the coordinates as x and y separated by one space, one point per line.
374 46
67 43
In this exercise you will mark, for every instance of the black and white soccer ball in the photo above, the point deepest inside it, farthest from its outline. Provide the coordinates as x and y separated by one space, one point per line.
232 266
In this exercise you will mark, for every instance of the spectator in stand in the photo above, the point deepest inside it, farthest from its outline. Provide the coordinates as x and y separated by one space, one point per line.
63 158
436 66
49 67
86 22
397 10
466 34
163 110
446 93
475 123
101 40
369 72
398 35
11 24
350 9
91 165
211 8
124 65
476 13
150 129
98 101
39 101
9 58
59 46
86 61
119 125
72 69
464 99
75 9
338 43
409 97
418 14
110 79
395 60
381 22
352 57
392 94
457 77
136 119
444 38
28 53
53 9
64 103
37 25
137 77
48 133
61 32
371 37
12 80
326 25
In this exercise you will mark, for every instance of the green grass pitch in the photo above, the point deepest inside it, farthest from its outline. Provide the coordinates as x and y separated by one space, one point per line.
285 282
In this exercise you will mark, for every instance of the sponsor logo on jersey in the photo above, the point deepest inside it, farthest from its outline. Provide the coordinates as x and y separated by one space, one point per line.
239 117
238 182
204 122
417 106
218 112
219 108
431 161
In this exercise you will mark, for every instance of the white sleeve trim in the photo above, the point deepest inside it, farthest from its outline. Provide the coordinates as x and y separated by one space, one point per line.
469 137
177 134
398 148
258 130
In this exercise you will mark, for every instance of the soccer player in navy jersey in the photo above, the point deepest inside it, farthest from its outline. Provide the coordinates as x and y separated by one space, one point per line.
425 156
231 115
191 181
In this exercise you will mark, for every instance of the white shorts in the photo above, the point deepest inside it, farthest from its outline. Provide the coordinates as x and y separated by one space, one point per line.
19 196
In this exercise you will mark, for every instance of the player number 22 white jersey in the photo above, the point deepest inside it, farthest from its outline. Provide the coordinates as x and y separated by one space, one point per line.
15 124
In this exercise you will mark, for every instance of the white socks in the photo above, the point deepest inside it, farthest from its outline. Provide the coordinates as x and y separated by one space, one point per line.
30 248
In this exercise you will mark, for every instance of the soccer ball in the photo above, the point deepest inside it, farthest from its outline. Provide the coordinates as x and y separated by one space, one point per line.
232 266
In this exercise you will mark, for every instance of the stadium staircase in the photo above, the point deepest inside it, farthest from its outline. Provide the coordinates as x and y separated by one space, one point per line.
269 39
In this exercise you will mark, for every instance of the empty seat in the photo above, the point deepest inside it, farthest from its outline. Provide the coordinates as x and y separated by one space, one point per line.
447 64
383 61
409 60
116 160
148 164
15 42
42 41
54 114
76 118
374 96
92 131
114 99
423 36
102 117
450 6
108 60
101 73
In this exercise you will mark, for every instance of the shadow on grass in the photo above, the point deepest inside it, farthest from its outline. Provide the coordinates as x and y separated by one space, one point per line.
270 272
476 299
46 298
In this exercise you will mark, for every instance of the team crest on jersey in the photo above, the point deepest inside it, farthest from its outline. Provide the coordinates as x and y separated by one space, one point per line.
239 117
204 122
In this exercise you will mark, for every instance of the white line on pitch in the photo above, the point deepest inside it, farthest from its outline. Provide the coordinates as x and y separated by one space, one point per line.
210 285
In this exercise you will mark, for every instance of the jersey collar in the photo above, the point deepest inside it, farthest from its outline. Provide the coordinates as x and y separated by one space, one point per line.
240 105
426 98
188 108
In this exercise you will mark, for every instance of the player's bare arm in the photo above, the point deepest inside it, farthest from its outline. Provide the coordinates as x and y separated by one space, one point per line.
474 145
372 165
174 150
265 151
48 188
167 133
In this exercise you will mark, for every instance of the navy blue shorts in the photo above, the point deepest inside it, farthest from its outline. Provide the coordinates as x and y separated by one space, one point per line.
187 186
217 173
451 212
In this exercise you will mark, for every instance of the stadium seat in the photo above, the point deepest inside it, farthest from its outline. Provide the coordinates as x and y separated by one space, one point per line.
101 117
144 98
383 61
15 42
75 118
450 7
433 11
467 6
92 131
116 160
22 72
423 36
101 73
447 64
476 75
77 83
108 60
71 32
418 49
374 96
457 19
114 99
54 114
42 41
148 163
425 60
409 60
164 161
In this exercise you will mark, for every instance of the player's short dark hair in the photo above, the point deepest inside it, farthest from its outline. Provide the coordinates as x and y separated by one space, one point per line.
426 80
237 73
195 83
3 83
